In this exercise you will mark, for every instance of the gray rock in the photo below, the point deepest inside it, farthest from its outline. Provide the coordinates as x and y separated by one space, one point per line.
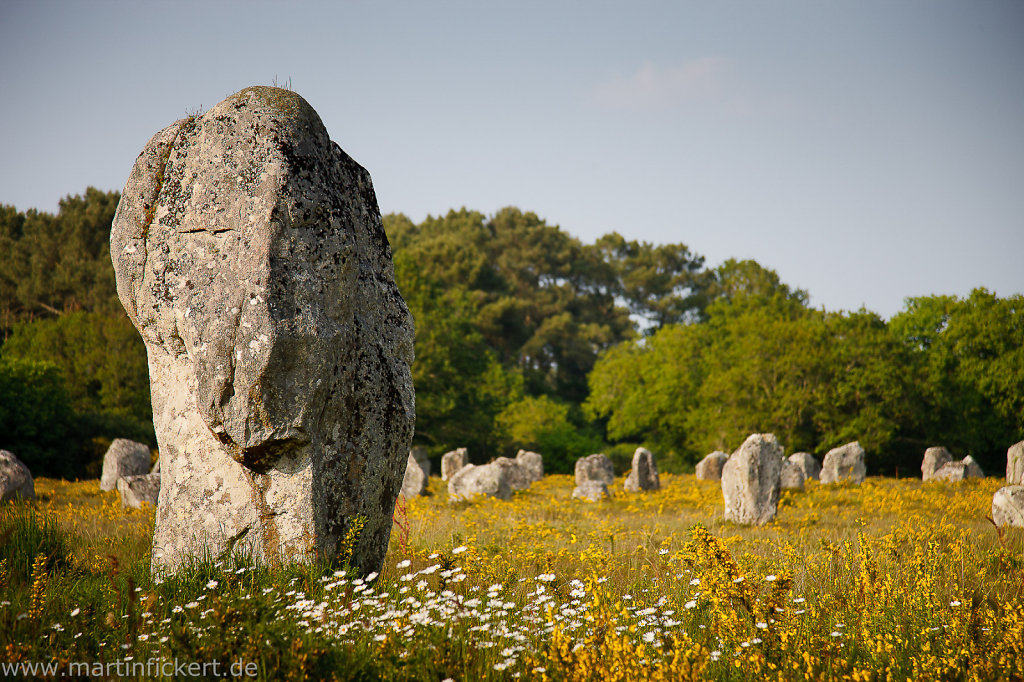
954 472
710 468
123 458
1015 464
518 476
134 490
249 253
844 463
156 467
750 480
417 473
591 491
15 478
934 459
533 463
791 476
452 462
1008 506
473 481
973 468
808 464
594 468
644 473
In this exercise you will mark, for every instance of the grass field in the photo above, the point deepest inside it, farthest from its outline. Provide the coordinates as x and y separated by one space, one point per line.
893 579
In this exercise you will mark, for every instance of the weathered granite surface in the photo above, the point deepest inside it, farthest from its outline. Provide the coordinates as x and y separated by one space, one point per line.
135 490
710 468
249 253
473 481
643 474
791 476
123 458
596 467
533 462
1008 506
750 480
845 463
452 462
15 478
417 473
934 459
1015 464
808 463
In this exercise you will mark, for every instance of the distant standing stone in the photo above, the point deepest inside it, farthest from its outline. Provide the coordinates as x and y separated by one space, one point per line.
808 464
1015 464
452 462
644 473
15 478
973 468
134 490
518 476
934 459
594 468
951 472
1008 506
591 491
710 468
473 481
532 462
750 480
123 458
417 473
792 476
844 463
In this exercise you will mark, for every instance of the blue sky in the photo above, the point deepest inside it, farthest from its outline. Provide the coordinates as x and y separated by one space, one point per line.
867 151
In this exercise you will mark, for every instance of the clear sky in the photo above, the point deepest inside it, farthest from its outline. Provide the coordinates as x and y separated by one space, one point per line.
867 151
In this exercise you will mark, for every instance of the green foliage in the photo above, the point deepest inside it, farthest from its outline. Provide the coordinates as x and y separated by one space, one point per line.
764 362
544 425
58 263
967 356
36 420
101 357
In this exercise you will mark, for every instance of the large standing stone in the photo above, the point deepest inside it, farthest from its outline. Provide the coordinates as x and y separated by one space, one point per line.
15 478
417 473
452 462
1015 464
472 481
791 476
644 473
1008 506
249 252
750 480
710 468
808 464
135 490
123 458
532 462
844 463
934 459
518 476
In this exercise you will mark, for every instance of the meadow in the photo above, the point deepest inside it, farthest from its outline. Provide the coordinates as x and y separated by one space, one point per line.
889 580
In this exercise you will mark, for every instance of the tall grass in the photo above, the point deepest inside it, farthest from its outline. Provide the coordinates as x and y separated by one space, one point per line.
887 580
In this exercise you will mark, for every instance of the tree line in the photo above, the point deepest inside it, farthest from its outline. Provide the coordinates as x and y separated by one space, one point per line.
528 337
